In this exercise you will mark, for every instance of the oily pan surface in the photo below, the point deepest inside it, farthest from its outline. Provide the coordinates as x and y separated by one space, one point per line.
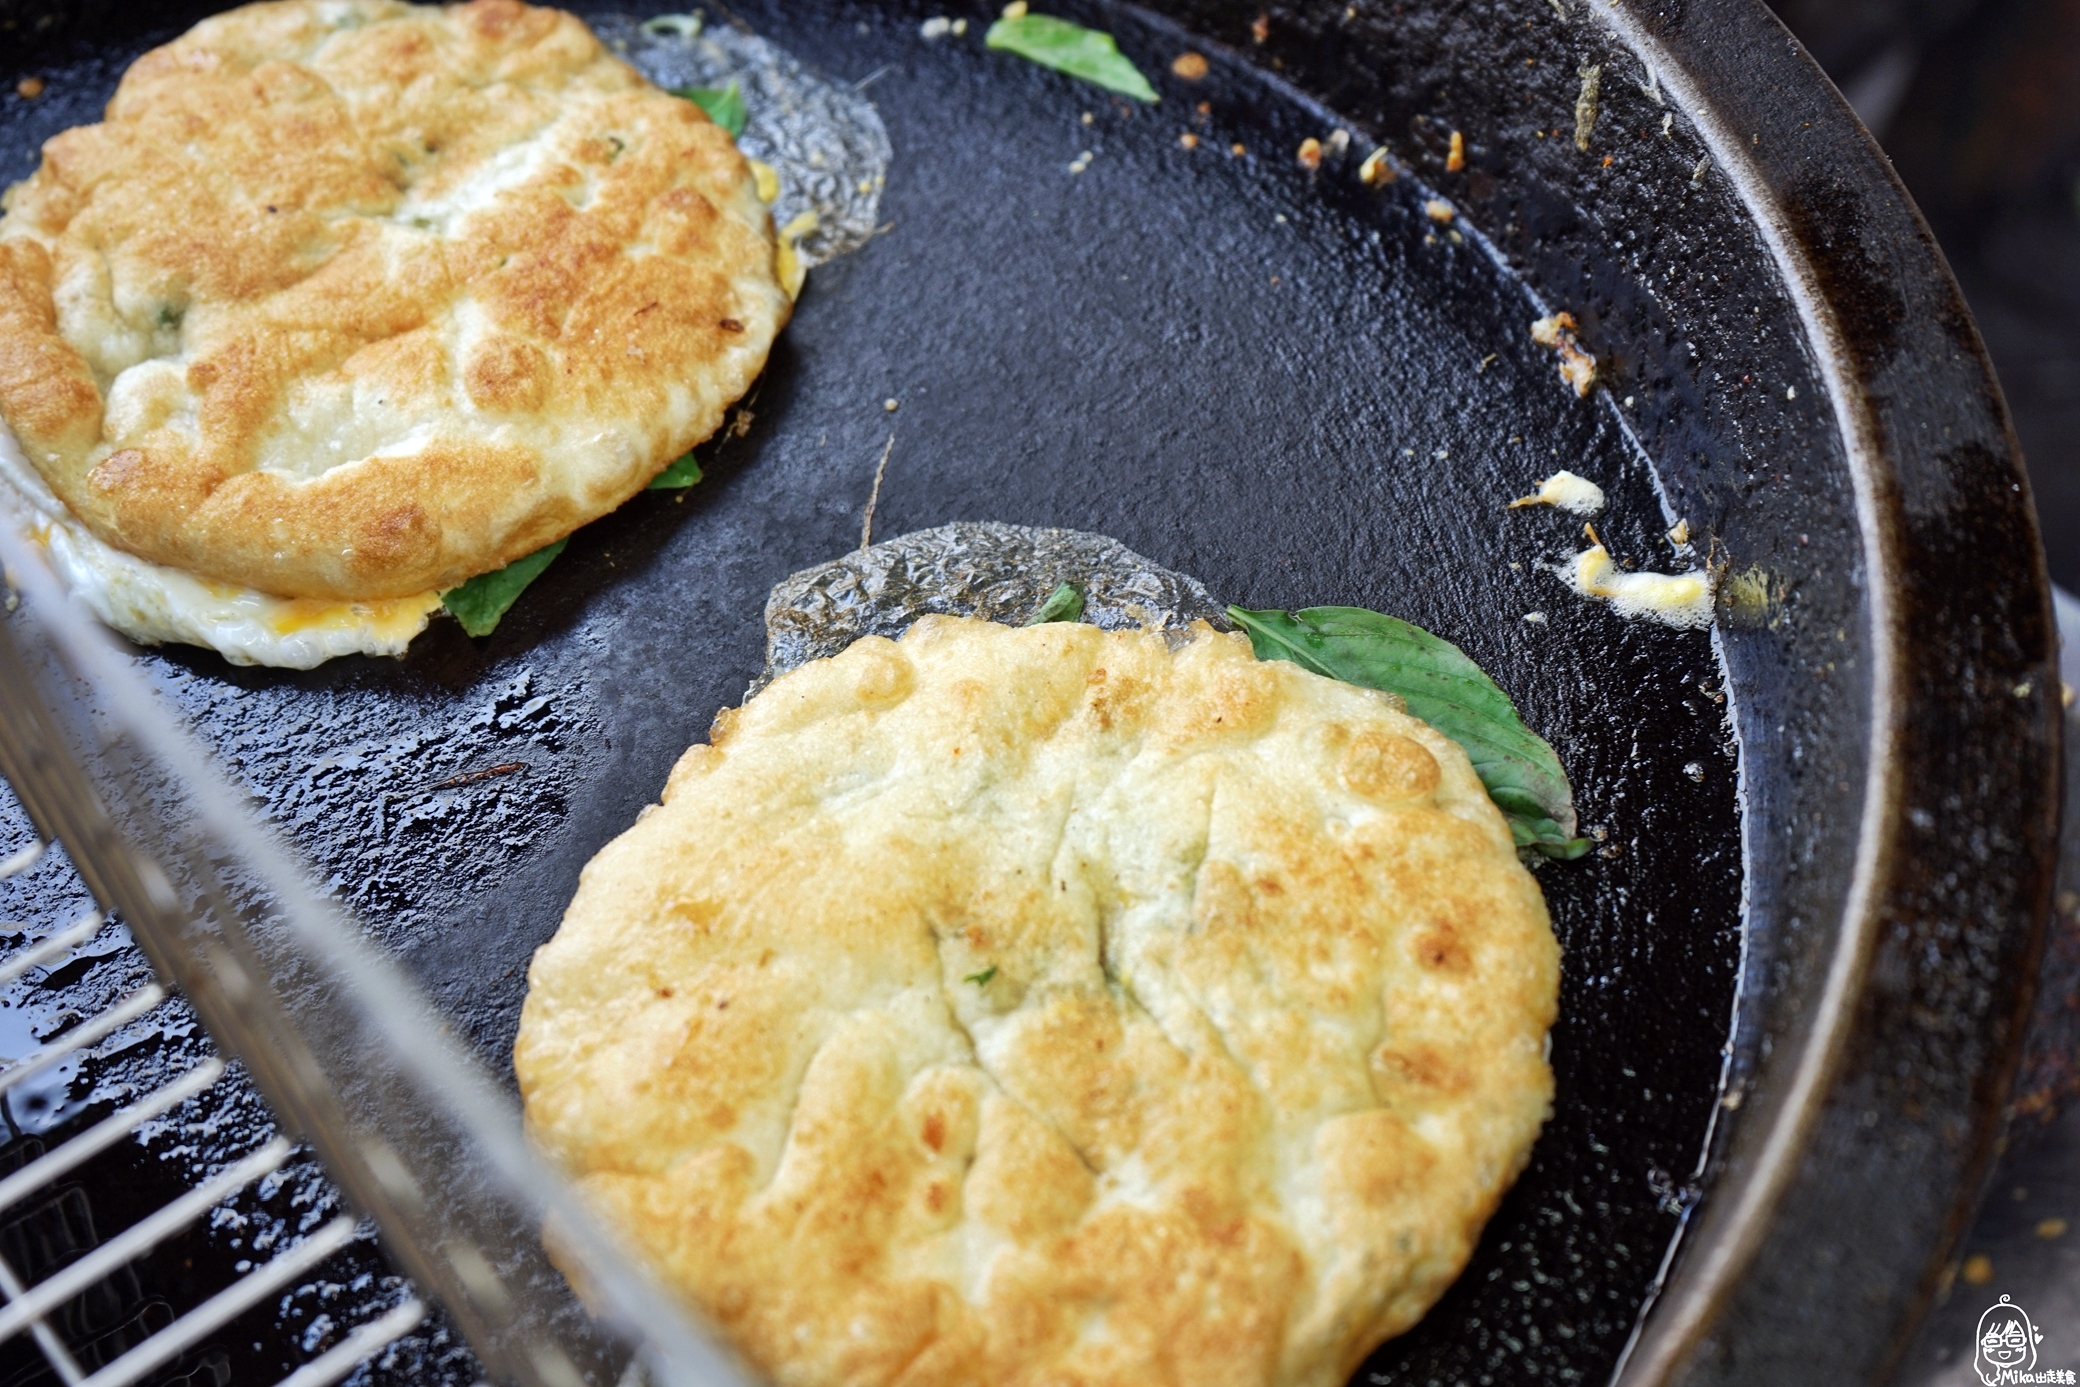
1015 1005
360 299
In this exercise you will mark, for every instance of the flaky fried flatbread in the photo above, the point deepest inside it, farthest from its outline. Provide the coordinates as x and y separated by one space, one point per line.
357 299
1022 1006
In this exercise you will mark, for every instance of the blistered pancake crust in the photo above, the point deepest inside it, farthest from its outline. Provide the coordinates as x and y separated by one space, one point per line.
1038 1006
356 299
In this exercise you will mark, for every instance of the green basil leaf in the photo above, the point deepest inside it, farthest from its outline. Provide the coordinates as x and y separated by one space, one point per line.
1071 48
479 603
1065 603
724 105
680 475
1512 800
1443 688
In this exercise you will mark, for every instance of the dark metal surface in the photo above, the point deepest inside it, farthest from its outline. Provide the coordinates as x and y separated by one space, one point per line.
2025 1243
1298 390
1977 102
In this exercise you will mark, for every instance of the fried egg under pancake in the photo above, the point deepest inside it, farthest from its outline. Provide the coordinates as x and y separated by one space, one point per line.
1022 1006
152 603
358 299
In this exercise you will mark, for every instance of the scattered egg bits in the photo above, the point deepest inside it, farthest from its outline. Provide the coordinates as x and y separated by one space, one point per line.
1682 600
1564 491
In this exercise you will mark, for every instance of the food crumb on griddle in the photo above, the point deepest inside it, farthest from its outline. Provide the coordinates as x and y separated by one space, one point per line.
1376 172
1188 140
1438 210
1586 103
1238 149
1260 27
29 88
1577 367
1190 66
1455 159
1310 155
1564 491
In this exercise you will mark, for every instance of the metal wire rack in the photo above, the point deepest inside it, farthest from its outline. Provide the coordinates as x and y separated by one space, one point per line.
411 1128
32 1306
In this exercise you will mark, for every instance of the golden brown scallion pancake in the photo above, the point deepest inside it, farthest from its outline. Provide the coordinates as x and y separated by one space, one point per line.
1018 1006
358 299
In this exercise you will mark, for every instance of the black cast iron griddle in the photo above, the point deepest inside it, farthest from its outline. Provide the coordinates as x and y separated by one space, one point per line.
1297 390
1270 381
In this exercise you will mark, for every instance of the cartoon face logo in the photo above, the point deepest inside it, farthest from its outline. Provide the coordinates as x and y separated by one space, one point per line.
2007 1343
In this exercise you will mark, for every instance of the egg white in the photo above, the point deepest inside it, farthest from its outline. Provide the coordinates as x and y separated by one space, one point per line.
1565 491
152 604
1673 599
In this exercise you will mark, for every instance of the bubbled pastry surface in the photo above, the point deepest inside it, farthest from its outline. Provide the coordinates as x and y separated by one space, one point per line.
358 299
1040 1005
